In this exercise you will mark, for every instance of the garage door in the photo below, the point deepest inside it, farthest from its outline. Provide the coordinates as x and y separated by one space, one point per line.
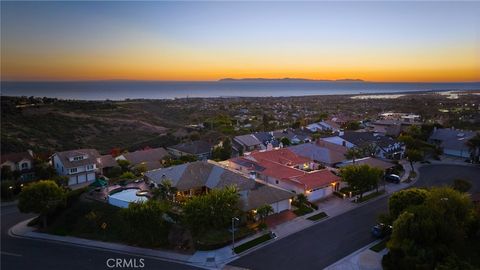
72 180
281 206
91 177
317 194
82 178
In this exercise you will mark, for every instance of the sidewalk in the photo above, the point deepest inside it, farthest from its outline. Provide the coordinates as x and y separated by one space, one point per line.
23 231
362 259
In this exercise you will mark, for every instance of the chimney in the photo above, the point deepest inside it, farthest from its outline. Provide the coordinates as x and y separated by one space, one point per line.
344 143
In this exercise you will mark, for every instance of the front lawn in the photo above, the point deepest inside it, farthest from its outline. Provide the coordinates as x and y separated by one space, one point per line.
370 196
252 243
302 210
318 216
216 239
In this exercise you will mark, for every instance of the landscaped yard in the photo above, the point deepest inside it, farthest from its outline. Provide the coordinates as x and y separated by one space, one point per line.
318 216
303 210
252 243
371 196
219 238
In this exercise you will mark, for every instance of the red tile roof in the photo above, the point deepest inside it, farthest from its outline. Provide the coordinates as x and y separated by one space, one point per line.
317 179
282 156
279 171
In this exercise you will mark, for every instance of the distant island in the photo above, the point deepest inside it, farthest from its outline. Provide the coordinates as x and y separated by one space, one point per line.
286 80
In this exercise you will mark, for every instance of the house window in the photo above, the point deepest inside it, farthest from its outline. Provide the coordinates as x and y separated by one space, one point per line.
276 182
89 167
24 166
73 170
77 158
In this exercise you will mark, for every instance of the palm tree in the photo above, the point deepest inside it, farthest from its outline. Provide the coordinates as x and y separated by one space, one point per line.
165 190
264 211
474 146
352 154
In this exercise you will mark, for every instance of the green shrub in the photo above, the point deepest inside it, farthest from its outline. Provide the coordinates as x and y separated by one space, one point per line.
461 185
253 243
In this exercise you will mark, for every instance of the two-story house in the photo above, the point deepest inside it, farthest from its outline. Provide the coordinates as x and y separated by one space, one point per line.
78 165
21 163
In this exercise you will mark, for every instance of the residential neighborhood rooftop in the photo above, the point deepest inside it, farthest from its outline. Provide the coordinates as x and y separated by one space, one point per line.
193 147
91 157
213 176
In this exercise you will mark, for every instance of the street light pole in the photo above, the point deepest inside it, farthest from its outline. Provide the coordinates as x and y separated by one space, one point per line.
233 233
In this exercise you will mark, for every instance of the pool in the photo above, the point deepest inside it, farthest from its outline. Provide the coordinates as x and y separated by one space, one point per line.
124 197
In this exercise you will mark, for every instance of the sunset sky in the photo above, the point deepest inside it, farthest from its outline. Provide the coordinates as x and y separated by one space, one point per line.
394 41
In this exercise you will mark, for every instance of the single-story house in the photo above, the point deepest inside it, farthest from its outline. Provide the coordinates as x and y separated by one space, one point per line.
384 146
452 141
201 176
285 169
389 127
323 152
151 157
370 161
105 163
246 143
326 125
294 136
202 150
20 162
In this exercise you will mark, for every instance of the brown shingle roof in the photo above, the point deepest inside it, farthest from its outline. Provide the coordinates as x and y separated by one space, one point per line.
92 156
148 155
16 157
204 173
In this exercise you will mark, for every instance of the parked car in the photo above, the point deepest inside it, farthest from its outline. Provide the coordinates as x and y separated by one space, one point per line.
381 230
393 178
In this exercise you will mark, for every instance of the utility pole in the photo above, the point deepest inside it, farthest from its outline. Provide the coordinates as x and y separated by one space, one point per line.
233 233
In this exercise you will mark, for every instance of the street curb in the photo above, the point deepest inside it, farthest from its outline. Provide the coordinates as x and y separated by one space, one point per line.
355 253
92 244
9 203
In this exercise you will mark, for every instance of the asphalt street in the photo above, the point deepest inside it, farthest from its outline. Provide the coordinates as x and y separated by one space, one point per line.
19 254
333 239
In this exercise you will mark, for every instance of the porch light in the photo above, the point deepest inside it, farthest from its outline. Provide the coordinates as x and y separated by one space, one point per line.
10 187
254 211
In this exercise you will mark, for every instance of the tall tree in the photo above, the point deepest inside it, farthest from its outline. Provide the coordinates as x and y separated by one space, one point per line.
353 154
42 198
213 210
361 177
264 211
404 199
165 190
146 222
413 156
430 229
474 146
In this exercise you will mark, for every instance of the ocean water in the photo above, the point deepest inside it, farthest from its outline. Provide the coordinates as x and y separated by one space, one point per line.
119 90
